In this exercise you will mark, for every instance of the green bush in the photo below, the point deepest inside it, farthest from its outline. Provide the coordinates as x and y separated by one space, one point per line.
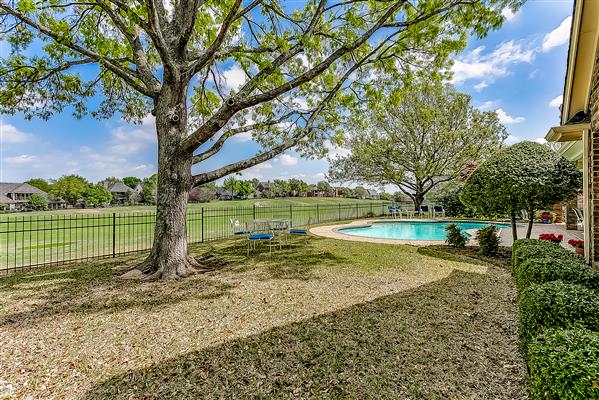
556 305
488 240
455 237
564 364
532 248
548 269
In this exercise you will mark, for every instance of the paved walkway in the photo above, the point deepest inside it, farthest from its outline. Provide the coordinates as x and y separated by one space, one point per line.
331 231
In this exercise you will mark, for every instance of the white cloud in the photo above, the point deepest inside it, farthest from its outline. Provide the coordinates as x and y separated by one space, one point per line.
540 140
10 134
533 74
511 139
556 102
480 86
128 140
558 36
487 67
288 160
234 77
486 106
22 159
508 14
507 119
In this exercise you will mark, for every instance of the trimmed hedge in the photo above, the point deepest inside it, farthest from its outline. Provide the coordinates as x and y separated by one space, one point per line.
532 248
556 305
564 364
548 269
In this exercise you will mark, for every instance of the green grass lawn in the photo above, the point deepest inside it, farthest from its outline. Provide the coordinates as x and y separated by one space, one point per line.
326 320
56 236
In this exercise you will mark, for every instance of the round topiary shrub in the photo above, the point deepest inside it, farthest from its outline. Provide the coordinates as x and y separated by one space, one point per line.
548 269
564 364
556 305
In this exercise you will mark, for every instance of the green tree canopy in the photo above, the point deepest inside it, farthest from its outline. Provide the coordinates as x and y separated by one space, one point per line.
149 190
526 176
96 195
131 181
424 136
360 192
280 187
298 187
324 186
41 184
70 188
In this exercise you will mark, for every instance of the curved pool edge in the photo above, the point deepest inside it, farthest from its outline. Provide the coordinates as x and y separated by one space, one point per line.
334 231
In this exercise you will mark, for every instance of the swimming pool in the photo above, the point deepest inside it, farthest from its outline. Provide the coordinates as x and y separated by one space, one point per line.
412 230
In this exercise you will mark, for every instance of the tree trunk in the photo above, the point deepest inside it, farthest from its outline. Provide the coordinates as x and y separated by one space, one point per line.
514 227
531 216
418 199
168 258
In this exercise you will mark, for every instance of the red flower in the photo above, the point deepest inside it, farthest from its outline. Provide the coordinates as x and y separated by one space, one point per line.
577 243
551 237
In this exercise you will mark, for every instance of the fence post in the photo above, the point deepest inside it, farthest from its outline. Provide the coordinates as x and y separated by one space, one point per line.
113 235
202 224
291 215
254 211
357 210
317 214
371 213
339 219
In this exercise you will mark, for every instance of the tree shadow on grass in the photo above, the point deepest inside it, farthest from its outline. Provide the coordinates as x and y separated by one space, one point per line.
296 259
94 287
454 338
469 254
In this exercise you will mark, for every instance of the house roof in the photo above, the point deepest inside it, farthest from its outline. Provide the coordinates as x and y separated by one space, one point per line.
119 187
6 200
12 187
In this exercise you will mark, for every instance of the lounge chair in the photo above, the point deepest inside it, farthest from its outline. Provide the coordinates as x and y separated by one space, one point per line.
525 216
393 210
579 218
424 210
438 210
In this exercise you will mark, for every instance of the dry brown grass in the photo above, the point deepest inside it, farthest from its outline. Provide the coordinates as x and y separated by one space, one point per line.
332 319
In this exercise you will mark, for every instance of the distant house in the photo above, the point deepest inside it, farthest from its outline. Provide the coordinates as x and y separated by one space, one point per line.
16 195
314 192
224 194
263 190
139 187
373 194
122 194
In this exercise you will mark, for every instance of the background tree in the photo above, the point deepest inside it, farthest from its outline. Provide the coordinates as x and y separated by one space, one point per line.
245 188
109 181
346 192
386 196
96 195
41 184
70 188
203 193
298 187
304 64
131 181
37 202
150 189
360 192
417 140
230 184
280 187
324 186
526 176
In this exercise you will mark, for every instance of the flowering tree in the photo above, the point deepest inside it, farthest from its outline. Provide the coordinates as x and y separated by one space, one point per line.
304 65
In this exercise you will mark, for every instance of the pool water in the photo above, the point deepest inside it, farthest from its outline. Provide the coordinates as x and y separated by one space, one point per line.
412 230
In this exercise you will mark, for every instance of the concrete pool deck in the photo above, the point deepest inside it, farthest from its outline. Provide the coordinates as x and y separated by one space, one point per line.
332 232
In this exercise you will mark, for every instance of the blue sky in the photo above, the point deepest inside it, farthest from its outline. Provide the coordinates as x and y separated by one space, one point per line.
518 71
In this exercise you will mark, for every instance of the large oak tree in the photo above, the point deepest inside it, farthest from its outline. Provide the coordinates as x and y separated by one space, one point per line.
419 138
304 63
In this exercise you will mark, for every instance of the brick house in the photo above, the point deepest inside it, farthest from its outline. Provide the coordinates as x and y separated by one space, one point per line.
578 131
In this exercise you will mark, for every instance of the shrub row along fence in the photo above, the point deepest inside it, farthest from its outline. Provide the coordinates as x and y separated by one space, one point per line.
32 241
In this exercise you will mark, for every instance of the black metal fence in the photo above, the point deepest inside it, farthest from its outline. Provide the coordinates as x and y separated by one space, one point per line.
32 241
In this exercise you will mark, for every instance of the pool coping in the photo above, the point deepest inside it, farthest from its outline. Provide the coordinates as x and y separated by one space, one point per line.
333 231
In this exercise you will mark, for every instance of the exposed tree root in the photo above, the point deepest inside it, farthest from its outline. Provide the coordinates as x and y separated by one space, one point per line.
157 268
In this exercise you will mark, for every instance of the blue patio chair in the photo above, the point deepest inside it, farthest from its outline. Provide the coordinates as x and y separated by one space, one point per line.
305 232
439 210
239 230
280 230
259 234
424 210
